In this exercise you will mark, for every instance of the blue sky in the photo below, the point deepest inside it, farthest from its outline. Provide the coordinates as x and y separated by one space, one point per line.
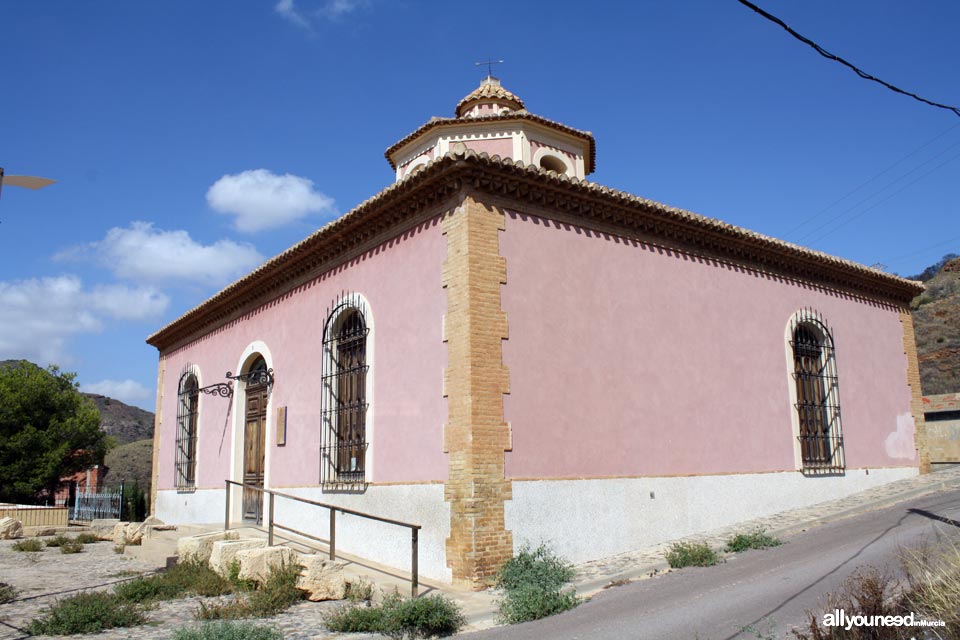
192 140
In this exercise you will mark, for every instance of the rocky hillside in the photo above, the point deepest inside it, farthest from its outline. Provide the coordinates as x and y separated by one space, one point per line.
131 462
123 422
937 324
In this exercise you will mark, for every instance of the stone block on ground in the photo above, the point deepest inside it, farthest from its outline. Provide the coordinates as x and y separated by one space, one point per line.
199 547
322 578
256 564
153 520
224 553
119 535
10 528
40 530
103 528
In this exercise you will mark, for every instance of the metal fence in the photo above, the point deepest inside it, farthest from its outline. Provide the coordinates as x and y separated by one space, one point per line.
99 503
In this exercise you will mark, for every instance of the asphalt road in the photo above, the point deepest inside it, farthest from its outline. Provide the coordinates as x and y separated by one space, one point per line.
756 594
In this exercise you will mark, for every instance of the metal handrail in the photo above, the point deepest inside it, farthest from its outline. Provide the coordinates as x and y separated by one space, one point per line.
332 542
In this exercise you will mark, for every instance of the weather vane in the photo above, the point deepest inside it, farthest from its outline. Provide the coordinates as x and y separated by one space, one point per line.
30 182
489 64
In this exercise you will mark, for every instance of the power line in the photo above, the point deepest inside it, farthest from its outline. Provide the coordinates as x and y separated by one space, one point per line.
877 204
836 58
884 188
924 249
862 185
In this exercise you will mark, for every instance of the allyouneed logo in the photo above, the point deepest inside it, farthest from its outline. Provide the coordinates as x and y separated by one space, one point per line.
839 618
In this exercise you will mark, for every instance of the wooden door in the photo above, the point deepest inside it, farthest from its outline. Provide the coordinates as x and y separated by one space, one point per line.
254 450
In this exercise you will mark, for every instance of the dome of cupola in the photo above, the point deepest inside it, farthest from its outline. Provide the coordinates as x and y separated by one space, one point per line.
493 121
490 98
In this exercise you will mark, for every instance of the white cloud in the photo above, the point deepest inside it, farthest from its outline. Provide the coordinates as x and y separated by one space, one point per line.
38 315
287 9
129 391
332 10
144 254
336 9
261 199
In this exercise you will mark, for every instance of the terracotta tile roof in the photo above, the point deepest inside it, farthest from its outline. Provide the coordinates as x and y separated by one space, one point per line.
590 162
489 91
522 183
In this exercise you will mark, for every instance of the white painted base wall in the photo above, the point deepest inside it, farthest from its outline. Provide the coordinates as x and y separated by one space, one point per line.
204 506
591 519
582 519
386 544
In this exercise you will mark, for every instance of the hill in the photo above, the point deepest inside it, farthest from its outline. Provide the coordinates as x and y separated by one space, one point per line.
122 421
130 462
937 325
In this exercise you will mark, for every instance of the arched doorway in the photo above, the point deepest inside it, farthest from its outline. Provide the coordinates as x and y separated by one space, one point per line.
254 436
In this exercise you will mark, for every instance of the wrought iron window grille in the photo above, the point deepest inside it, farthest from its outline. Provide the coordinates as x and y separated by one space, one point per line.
817 395
343 444
222 389
188 403
254 377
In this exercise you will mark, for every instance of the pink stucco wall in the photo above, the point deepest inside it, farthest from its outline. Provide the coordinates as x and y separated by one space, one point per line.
502 147
401 280
629 360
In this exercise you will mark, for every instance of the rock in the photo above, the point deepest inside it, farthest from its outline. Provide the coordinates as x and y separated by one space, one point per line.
256 564
119 535
154 521
103 529
322 578
10 528
224 553
134 532
199 547
37 531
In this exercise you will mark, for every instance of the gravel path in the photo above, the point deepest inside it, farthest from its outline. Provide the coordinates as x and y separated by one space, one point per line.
44 577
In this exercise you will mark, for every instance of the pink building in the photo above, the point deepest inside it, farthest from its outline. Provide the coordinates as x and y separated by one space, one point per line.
503 352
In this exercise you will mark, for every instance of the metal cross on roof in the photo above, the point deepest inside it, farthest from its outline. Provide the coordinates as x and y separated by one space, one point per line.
489 63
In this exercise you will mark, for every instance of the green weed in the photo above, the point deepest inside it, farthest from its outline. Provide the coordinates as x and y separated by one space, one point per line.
691 554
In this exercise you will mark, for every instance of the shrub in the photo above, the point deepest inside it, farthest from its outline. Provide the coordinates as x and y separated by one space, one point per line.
87 612
148 589
933 576
57 540
8 593
865 593
359 591
533 583
31 545
227 631
758 539
187 577
355 620
276 594
87 538
691 554
427 617
71 546
540 567
198 578
532 603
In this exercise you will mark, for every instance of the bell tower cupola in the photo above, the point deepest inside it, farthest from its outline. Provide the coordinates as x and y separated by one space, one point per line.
494 121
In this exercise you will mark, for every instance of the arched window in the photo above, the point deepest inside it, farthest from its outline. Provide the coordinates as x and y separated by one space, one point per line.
344 437
188 404
817 395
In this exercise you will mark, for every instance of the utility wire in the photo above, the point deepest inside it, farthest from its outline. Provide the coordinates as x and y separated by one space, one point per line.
862 185
877 204
836 58
923 250
884 188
